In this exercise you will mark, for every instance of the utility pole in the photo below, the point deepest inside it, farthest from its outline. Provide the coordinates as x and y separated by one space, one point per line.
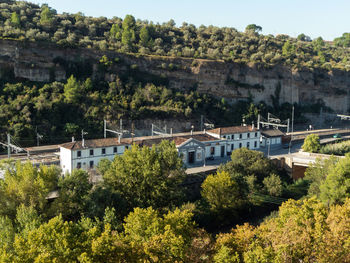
82 137
38 136
291 136
8 145
202 122
104 129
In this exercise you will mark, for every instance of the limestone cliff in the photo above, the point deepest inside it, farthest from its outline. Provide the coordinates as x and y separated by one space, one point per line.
45 62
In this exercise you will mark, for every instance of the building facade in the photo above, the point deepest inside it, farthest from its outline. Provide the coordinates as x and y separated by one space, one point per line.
238 136
195 148
86 155
272 137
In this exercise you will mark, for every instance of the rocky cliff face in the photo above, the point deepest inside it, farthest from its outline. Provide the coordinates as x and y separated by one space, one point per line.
47 62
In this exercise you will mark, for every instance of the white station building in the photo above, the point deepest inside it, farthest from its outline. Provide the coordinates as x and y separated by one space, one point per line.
88 153
194 147
238 137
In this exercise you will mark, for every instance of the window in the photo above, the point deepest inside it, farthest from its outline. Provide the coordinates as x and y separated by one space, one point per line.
255 144
248 145
78 165
79 153
224 136
115 149
127 147
256 134
212 150
240 145
240 135
248 135
91 164
103 150
232 146
229 137
91 152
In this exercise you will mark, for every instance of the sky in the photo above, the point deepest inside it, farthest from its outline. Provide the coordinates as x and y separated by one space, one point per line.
325 18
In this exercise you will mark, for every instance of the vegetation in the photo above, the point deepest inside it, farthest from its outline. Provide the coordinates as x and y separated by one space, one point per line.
311 143
338 148
30 22
146 217
60 110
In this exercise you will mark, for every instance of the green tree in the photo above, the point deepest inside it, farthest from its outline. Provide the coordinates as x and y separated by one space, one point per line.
26 185
311 143
295 235
27 219
73 195
288 49
144 37
54 241
248 162
147 177
71 129
336 186
128 35
222 192
164 239
253 28
15 21
103 166
7 236
317 172
129 22
46 15
273 185
116 32
72 91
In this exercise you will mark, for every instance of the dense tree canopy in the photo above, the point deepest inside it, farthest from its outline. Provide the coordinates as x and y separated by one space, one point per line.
311 143
132 35
89 223
147 176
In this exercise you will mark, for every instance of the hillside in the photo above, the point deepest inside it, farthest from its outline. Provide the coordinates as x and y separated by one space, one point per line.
160 72
22 20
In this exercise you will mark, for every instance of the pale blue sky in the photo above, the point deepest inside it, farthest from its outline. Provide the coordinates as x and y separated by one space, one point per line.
326 18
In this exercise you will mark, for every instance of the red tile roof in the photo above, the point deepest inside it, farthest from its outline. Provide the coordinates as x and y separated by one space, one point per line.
233 129
178 139
147 141
272 133
96 143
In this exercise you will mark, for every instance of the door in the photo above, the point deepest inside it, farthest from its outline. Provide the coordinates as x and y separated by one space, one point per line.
222 151
191 157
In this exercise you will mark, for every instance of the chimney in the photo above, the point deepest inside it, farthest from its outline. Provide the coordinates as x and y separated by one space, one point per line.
73 140
204 131
83 142
253 126
220 132
191 131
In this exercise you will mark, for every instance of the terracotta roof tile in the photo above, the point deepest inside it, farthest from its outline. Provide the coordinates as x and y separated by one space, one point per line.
233 129
96 143
272 133
142 141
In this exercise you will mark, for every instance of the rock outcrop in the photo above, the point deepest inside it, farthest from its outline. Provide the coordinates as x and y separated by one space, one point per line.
45 62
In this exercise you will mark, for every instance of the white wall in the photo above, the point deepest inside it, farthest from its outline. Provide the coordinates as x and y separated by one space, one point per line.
66 160
69 159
